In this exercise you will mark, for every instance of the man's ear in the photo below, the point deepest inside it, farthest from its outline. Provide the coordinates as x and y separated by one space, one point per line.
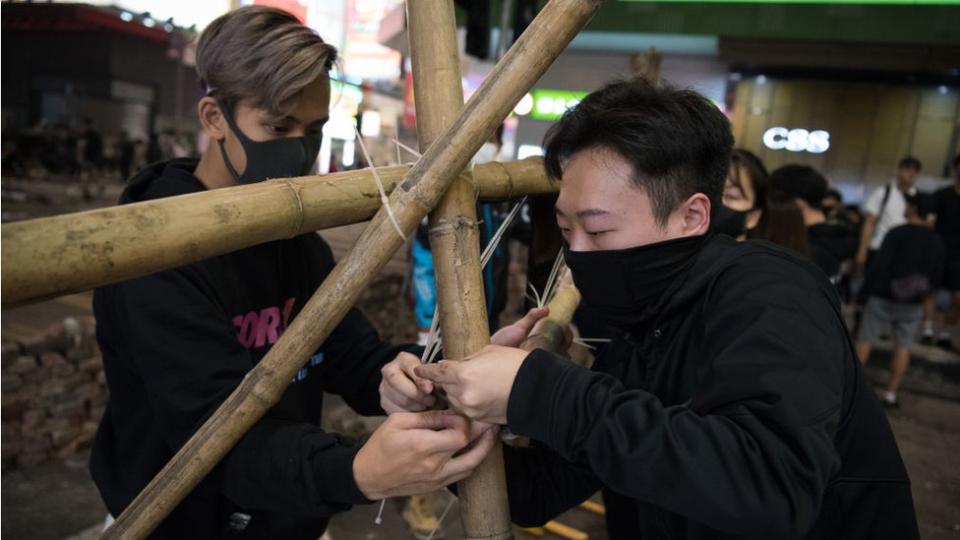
695 215
211 118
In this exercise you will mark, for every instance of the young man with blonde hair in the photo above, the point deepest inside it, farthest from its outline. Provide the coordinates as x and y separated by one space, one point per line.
177 343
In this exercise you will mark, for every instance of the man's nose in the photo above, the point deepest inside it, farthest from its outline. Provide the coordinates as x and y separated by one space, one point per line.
578 242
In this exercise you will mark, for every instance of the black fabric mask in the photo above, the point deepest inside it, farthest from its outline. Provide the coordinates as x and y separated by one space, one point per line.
623 287
730 222
277 158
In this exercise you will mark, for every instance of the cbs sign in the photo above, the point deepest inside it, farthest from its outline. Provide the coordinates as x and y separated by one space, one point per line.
797 140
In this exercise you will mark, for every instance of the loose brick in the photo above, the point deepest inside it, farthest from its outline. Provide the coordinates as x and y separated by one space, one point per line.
10 383
50 359
62 436
92 364
9 352
32 418
34 345
23 364
62 409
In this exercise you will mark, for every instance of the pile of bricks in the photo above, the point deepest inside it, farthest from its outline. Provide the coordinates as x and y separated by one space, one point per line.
54 393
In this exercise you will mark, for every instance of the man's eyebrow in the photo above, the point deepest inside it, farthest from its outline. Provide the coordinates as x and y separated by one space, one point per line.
587 212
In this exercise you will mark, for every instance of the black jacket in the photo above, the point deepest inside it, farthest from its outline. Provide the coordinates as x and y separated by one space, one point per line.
908 266
176 343
738 410
831 245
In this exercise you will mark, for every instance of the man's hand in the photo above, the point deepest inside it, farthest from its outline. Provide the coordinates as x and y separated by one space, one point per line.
401 389
479 387
413 453
514 334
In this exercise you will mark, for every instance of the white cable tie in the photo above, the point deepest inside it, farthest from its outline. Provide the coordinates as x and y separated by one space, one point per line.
383 194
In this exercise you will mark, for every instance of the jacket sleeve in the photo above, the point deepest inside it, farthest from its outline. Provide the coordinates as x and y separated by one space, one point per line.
354 352
541 485
184 348
752 452
353 356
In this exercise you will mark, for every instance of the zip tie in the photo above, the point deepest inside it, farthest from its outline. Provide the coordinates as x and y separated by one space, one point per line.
407 148
383 194
397 145
379 519
440 519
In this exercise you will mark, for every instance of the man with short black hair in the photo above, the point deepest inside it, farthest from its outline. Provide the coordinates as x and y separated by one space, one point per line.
732 405
885 209
830 244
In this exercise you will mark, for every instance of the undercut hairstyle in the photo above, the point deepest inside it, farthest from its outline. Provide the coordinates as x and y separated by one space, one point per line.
909 162
677 141
262 54
800 182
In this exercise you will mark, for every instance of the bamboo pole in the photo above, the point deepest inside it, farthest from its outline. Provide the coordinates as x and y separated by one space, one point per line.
48 257
547 334
455 244
421 189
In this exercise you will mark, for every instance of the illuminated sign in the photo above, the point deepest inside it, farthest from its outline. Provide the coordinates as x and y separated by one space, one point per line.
550 105
797 140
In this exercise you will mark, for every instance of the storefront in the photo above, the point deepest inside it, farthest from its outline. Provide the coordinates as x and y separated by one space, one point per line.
854 132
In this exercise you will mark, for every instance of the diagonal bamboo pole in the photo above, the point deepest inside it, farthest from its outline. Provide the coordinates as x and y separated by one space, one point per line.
455 243
47 257
537 48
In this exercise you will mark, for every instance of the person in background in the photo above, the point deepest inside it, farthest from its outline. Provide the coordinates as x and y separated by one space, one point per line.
782 224
832 205
907 269
744 195
885 209
946 211
831 245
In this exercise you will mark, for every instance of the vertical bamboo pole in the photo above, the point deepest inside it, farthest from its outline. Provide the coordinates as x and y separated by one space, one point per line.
455 243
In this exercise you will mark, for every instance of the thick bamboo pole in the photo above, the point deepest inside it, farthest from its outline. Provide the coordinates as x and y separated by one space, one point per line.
537 48
48 257
547 334
455 243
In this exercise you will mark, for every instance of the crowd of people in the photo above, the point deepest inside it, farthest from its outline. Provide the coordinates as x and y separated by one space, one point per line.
84 152
896 261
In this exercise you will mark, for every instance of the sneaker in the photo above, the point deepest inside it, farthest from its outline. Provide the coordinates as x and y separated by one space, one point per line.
421 517
889 400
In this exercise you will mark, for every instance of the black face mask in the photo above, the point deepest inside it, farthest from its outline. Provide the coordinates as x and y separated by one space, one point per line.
622 287
277 158
730 222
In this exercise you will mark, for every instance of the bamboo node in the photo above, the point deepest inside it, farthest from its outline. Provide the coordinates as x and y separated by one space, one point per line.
296 196
447 227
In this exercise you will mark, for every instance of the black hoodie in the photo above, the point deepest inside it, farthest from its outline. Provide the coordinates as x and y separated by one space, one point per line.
737 410
177 343
831 245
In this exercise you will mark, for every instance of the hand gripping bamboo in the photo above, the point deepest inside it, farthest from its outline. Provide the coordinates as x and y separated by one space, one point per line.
540 44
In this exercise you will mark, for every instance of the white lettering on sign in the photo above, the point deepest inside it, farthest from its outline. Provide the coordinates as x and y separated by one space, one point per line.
797 140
